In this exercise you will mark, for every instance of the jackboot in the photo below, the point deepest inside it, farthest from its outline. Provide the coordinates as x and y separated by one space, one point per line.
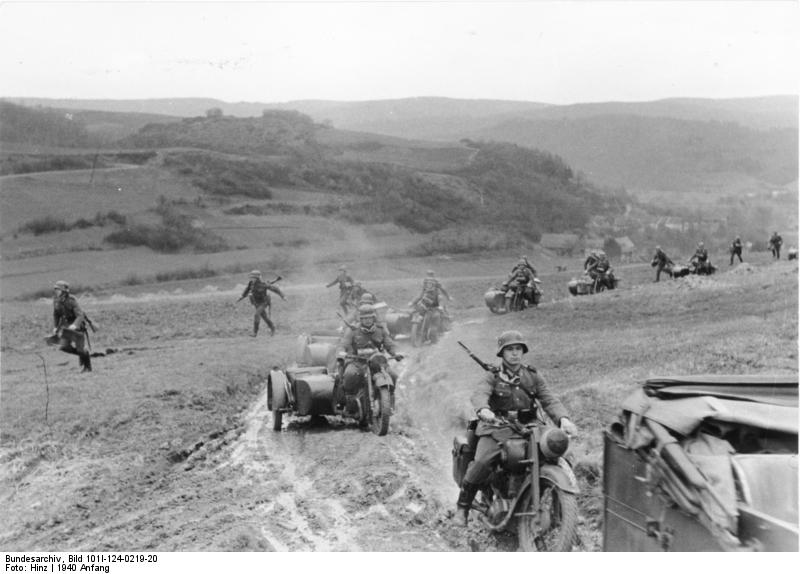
464 502
86 363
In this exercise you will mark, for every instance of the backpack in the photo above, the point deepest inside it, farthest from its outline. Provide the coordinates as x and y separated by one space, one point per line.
259 291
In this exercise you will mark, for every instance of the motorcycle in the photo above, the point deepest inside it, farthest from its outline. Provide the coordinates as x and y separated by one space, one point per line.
374 402
531 490
524 296
588 285
701 268
426 325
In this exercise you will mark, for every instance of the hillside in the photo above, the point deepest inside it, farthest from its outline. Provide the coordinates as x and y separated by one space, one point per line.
641 152
681 144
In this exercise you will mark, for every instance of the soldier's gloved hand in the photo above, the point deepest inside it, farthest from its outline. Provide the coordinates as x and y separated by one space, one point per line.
568 427
487 416
72 327
55 330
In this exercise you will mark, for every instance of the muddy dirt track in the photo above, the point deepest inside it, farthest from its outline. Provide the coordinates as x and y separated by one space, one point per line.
168 444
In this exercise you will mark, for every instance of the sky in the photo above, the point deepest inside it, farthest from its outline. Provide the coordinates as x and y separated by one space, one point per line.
557 52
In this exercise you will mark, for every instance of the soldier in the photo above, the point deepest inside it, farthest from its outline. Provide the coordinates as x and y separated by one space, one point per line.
775 243
260 299
596 263
429 296
510 392
660 261
69 324
345 285
356 293
700 257
366 298
736 249
367 334
521 277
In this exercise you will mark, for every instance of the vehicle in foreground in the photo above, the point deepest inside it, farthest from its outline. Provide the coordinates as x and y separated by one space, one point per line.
533 490
703 463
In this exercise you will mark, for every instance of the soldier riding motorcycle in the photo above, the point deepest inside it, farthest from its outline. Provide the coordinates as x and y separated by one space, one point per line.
700 264
514 459
364 388
521 290
429 317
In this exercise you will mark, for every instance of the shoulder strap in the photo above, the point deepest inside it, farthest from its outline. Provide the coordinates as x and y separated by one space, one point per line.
531 369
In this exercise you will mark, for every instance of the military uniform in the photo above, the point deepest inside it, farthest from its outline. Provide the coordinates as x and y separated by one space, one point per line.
428 298
68 314
345 286
258 292
701 257
775 245
660 261
358 337
596 264
736 249
521 277
511 392
508 394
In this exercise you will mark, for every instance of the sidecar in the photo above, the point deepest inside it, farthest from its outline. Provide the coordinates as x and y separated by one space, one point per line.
305 388
703 463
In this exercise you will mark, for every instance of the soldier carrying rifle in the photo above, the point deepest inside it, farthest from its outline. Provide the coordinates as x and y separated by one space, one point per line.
258 291
69 325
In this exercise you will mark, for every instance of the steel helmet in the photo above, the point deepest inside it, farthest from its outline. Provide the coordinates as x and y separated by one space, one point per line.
366 298
430 273
61 286
366 310
511 338
255 274
700 244
658 248
342 268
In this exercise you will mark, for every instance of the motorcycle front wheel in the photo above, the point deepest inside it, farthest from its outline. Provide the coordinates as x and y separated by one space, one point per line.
416 335
381 411
557 525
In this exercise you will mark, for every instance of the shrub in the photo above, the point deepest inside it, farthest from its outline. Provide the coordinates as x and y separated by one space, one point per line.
180 274
174 234
47 224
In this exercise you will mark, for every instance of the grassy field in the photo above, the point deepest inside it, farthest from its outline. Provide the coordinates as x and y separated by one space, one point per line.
142 453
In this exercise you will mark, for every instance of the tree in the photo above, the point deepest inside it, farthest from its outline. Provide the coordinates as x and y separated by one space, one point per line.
214 113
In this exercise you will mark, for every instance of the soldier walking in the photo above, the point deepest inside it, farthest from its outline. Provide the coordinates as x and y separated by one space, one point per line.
69 325
258 291
345 286
736 249
775 243
660 261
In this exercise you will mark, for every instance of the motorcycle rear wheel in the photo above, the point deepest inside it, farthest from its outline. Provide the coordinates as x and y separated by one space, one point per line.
382 411
559 511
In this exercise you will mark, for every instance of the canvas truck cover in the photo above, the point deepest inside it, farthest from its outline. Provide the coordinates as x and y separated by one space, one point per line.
681 404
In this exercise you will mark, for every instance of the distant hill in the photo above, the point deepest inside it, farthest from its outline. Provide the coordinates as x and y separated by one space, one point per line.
659 152
407 117
678 143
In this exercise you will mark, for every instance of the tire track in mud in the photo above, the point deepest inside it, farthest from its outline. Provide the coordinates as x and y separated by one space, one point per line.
328 486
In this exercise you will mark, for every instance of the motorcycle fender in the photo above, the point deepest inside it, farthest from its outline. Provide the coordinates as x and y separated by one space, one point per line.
382 380
560 476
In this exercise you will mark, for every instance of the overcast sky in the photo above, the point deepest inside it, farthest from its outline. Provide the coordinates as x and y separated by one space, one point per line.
554 52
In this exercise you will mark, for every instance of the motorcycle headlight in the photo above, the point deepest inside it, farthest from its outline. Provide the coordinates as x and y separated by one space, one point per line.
553 443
